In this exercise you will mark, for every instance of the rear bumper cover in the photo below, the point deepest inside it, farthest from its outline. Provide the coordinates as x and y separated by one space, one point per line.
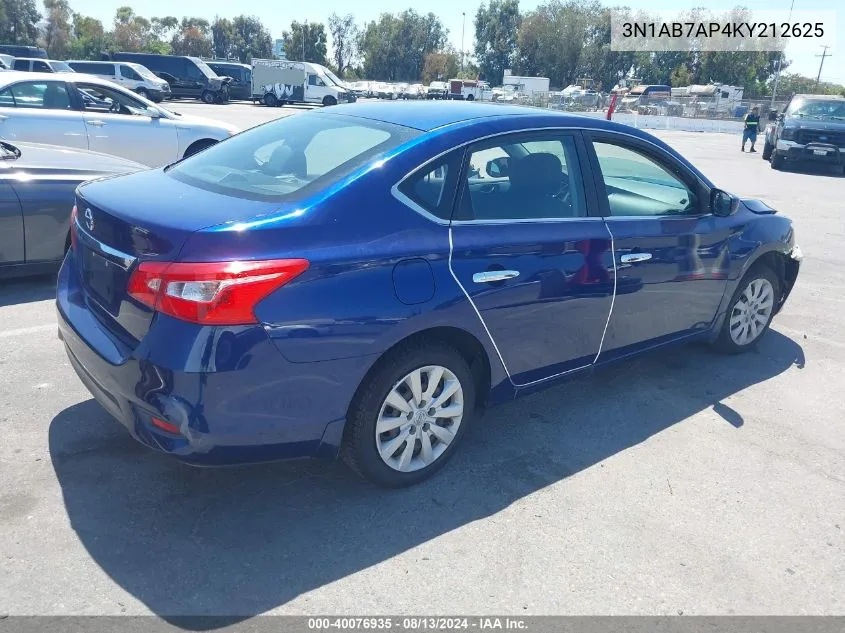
233 396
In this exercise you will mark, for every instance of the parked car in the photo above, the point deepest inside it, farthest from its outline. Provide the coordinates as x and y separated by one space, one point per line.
437 90
207 307
88 112
37 184
240 86
6 62
414 91
16 50
810 129
134 77
37 65
189 77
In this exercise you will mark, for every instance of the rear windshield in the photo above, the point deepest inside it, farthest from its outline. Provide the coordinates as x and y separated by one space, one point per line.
290 157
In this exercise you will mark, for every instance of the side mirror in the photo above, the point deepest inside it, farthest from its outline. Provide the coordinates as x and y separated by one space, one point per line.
153 113
773 115
498 167
721 203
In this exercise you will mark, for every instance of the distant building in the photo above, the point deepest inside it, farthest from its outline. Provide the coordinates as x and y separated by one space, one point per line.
279 49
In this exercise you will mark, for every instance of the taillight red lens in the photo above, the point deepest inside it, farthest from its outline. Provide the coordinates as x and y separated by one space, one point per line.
211 293
73 238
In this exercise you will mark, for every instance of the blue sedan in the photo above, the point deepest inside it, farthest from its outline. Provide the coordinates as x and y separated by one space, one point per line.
361 281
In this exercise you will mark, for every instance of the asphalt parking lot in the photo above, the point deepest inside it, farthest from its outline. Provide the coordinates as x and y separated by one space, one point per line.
684 482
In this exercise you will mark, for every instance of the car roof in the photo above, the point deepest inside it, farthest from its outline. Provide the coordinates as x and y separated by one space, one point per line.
17 75
427 116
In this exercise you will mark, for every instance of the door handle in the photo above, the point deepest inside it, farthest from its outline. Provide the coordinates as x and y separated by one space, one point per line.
633 258
96 122
494 275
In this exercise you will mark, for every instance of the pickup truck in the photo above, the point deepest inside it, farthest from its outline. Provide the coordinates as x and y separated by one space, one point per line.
811 129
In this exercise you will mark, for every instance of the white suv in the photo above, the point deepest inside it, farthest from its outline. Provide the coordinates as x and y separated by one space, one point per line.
88 112
131 76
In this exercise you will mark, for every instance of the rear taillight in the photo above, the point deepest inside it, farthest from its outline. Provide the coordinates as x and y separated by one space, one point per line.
211 293
73 237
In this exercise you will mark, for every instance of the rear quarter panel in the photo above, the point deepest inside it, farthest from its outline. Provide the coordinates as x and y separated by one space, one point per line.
46 204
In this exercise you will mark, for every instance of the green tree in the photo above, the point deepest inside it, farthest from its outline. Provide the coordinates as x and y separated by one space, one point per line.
57 32
440 66
395 47
18 22
496 28
306 42
131 32
344 34
250 39
681 76
90 40
192 38
223 38
164 28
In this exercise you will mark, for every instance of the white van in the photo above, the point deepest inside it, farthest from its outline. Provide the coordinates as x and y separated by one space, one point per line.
276 82
131 76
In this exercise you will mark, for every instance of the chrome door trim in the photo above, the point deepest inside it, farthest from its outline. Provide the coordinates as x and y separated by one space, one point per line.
491 276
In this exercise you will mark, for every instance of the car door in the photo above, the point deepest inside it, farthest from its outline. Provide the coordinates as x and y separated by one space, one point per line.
41 111
672 256
117 123
317 89
529 255
11 224
194 81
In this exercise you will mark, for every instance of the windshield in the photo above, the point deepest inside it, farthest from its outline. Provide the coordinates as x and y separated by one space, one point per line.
146 73
290 157
833 109
205 68
61 67
337 81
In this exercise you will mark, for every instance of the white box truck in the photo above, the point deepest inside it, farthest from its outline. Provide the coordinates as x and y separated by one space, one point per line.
526 85
276 82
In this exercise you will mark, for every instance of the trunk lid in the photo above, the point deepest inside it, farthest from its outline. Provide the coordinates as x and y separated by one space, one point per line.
115 231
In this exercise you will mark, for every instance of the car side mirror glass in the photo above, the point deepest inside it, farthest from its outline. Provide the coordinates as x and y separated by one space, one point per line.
153 113
497 168
721 203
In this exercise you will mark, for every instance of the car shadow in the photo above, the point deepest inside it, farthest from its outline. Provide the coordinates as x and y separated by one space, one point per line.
237 542
814 169
27 290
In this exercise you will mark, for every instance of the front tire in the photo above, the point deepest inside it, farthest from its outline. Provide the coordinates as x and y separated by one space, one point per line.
208 97
410 415
328 100
767 150
141 92
777 161
750 311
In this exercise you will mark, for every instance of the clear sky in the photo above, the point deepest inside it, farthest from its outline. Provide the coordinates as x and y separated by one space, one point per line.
278 15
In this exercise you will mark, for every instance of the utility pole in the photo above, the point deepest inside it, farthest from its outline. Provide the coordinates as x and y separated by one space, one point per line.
780 58
303 41
463 30
821 64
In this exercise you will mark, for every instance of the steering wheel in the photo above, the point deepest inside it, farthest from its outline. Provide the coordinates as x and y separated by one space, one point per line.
115 107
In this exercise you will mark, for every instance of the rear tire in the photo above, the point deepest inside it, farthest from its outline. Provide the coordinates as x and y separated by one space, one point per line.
750 311
143 93
429 440
270 100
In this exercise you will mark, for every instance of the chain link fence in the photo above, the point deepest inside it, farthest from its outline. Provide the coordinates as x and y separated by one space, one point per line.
684 107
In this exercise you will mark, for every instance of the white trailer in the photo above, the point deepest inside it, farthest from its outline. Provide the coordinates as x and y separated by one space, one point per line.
276 82
526 85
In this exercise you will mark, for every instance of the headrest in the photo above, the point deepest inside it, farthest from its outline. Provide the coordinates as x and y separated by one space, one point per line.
540 174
